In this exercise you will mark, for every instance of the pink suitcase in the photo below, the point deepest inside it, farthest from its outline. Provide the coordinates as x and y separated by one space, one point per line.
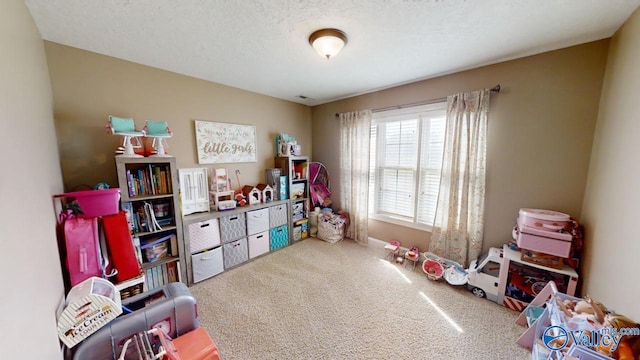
82 245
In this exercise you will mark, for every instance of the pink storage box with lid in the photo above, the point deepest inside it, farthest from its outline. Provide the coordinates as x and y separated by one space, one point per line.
539 230
543 219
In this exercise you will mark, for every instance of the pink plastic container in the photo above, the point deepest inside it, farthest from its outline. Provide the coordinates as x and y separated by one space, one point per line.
544 241
548 220
94 203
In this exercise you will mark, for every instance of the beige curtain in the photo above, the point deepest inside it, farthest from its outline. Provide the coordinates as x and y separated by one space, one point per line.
355 128
459 221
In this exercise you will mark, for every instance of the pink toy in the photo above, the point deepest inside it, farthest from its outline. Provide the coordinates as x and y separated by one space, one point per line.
412 255
433 268
543 219
392 249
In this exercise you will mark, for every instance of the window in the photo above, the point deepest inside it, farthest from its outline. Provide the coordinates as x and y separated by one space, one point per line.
406 158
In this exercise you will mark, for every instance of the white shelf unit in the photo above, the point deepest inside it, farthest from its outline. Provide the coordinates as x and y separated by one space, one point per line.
216 241
296 169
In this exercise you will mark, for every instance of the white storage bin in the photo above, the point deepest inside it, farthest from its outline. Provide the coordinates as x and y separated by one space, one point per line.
204 235
207 264
257 221
258 244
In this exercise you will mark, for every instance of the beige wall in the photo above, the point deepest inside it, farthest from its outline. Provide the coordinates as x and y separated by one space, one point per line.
610 212
88 87
32 285
540 131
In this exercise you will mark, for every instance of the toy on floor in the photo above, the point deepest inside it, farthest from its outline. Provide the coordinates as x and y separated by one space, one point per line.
413 255
392 249
436 268
433 268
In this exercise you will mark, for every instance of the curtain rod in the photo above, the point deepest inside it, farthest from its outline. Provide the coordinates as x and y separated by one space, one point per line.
495 89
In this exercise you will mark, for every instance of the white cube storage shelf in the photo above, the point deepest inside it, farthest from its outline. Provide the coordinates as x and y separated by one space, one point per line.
220 240
204 235
207 264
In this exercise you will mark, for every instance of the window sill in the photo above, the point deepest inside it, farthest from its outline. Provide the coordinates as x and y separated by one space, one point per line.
400 222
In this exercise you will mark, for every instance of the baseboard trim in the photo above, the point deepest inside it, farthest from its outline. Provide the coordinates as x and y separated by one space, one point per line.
373 242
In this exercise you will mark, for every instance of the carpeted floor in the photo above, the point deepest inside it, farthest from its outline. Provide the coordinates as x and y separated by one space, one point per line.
315 300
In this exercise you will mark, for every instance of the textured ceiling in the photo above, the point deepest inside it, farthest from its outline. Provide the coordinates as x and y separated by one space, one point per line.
262 45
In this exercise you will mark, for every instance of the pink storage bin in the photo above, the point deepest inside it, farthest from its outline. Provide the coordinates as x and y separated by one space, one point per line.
544 241
94 203
543 219
204 235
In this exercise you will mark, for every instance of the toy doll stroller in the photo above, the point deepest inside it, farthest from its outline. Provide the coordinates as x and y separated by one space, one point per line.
318 183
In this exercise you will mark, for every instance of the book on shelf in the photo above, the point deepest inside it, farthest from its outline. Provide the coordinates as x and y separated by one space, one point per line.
154 278
298 190
150 180
159 281
137 249
127 207
165 275
149 279
297 211
172 271
173 245
130 185
161 275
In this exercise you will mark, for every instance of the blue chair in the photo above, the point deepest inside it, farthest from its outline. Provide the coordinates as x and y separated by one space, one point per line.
159 131
126 128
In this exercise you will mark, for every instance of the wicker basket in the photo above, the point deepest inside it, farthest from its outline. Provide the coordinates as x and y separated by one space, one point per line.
131 291
329 232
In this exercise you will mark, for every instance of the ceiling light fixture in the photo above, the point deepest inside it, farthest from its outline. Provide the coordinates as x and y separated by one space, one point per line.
328 42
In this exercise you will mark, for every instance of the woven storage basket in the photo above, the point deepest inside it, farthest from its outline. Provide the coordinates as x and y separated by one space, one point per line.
329 232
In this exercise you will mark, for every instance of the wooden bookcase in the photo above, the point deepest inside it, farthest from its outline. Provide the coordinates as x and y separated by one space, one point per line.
148 186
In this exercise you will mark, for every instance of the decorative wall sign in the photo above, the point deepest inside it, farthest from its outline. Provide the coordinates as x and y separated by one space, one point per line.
219 143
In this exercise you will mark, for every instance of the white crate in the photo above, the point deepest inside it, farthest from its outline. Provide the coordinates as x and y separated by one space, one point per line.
204 235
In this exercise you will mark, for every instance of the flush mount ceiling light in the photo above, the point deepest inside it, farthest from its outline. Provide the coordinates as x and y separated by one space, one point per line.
328 42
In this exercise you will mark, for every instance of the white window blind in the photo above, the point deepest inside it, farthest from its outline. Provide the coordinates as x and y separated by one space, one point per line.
406 158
